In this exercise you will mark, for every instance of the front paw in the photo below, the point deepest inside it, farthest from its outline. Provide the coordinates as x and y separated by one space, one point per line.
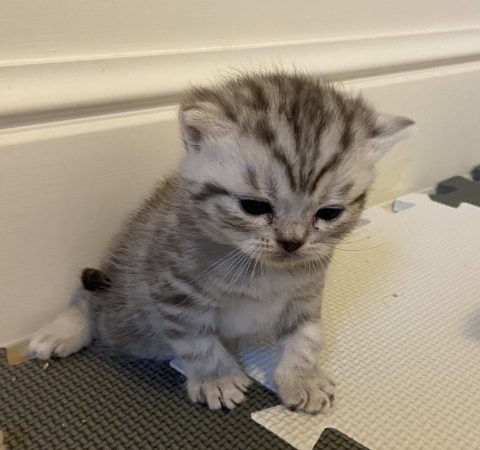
228 391
313 392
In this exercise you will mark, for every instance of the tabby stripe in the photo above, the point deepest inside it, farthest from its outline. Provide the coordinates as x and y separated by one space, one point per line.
346 139
331 165
251 176
272 187
208 190
188 286
213 97
233 221
188 295
197 322
265 134
361 199
341 229
319 127
260 101
344 190
282 159
264 131
348 130
193 348
179 300
174 330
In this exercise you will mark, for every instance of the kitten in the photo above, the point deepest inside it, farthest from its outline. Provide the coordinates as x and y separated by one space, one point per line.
236 242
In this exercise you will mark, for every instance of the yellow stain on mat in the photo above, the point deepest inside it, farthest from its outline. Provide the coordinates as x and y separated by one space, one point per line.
17 354
2 445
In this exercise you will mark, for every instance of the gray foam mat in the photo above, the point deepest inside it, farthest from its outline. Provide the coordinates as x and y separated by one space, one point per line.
93 400
457 190
333 439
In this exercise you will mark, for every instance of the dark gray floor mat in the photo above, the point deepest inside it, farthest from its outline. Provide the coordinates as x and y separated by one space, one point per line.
92 400
457 190
333 439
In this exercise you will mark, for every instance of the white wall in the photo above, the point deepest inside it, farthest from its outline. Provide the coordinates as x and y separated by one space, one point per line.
88 109
58 29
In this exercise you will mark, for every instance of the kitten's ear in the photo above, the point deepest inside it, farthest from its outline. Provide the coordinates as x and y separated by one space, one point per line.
198 123
388 131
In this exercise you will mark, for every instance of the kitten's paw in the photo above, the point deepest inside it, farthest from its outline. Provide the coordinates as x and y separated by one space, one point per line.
52 341
227 391
312 393
68 333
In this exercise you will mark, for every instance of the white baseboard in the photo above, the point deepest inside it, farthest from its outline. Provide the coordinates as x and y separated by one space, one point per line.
41 90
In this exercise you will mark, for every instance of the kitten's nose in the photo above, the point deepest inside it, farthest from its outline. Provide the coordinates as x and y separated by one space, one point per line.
290 246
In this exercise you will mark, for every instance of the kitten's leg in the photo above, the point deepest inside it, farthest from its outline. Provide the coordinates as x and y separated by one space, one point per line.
213 375
300 382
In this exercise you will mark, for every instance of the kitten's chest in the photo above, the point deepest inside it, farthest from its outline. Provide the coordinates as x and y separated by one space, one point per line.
259 311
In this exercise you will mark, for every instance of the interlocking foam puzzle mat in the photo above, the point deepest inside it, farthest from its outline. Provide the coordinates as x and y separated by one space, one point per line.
95 401
402 341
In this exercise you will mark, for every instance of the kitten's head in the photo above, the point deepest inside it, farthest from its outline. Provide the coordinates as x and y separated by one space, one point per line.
281 164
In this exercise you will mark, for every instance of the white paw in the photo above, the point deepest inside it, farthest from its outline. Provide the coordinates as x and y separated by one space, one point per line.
227 391
313 393
68 333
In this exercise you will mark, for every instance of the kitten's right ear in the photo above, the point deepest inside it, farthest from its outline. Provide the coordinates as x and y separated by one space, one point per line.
198 123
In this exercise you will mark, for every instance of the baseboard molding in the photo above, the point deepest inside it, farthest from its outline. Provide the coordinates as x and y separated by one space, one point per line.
43 90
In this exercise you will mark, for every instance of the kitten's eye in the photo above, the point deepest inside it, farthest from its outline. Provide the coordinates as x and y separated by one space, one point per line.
256 207
329 213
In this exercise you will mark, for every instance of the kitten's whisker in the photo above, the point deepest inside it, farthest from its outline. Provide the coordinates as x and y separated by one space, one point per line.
259 251
330 258
219 262
246 270
237 273
239 257
229 273
317 267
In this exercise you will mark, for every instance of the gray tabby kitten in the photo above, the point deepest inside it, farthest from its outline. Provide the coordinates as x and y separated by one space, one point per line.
237 241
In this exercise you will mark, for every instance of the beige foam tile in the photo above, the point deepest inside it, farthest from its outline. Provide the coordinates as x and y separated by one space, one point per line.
402 333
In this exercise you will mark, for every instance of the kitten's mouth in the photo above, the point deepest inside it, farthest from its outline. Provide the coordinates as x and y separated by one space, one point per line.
284 257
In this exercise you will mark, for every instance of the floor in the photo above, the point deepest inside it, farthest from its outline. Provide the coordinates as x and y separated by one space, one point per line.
402 333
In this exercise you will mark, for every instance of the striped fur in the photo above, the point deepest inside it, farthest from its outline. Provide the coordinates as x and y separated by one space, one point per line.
193 272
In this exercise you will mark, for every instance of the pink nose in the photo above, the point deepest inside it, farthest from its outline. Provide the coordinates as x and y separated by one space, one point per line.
290 246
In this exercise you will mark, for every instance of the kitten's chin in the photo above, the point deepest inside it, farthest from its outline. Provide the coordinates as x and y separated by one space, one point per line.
284 259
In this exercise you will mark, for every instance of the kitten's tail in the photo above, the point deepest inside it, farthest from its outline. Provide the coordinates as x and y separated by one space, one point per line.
94 280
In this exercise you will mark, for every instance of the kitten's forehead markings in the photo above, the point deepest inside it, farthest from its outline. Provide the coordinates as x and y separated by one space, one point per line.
272 188
283 161
331 164
264 132
252 178
307 127
338 156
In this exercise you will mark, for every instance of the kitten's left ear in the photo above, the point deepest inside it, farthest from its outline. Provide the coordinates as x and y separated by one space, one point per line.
201 122
388 131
